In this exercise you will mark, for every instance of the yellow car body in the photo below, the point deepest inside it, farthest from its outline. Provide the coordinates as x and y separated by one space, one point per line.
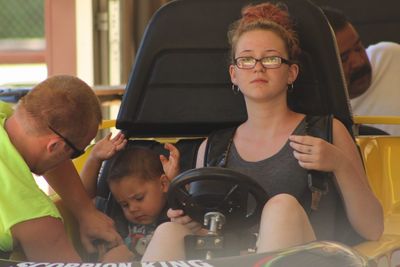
381 155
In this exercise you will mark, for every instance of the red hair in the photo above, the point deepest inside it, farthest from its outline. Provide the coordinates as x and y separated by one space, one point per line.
266 16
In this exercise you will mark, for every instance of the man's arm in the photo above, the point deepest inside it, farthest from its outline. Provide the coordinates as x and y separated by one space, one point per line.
44 239
93 224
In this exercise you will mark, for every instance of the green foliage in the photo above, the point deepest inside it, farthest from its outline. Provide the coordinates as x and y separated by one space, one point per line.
20 19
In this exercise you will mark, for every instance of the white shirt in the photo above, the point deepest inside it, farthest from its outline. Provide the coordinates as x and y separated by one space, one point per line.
383 96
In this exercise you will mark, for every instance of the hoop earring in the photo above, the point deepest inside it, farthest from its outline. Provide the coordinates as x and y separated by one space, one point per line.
235 89
290 88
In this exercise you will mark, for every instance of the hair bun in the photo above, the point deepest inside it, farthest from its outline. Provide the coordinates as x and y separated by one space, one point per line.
267 11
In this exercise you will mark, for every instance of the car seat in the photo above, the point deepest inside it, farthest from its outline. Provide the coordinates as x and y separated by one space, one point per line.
180 86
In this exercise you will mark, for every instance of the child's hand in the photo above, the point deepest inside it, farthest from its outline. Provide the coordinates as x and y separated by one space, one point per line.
171 165
179 217
106 147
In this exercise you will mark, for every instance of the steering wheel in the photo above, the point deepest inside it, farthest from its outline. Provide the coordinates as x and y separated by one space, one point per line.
209 189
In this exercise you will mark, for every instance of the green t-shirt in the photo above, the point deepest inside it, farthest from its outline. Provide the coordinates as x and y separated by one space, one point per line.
20 197
6 108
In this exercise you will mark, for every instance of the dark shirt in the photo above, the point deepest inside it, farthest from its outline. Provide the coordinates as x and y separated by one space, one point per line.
139 235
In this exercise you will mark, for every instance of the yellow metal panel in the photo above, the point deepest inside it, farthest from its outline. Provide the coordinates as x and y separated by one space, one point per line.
381 156
376 119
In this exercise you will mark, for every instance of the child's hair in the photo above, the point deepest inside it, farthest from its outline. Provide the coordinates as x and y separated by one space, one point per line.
140 162
266 16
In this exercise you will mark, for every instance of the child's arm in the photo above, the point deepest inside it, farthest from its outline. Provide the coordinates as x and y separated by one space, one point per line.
171 165
103 150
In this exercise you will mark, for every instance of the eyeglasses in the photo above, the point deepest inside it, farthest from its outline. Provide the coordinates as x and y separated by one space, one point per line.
271 62
76 152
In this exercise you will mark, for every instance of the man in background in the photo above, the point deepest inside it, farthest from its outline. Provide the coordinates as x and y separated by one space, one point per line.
372 74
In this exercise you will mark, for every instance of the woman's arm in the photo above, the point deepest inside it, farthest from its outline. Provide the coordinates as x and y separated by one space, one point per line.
343 159
363 208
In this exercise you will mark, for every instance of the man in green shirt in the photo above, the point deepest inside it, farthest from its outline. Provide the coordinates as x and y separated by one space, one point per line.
50 125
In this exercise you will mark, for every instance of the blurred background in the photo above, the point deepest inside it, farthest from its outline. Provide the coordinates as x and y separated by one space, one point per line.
95 40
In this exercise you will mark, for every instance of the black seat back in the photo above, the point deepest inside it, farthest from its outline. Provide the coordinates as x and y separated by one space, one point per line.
179 85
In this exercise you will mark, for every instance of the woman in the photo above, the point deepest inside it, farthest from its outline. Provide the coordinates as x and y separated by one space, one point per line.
273 148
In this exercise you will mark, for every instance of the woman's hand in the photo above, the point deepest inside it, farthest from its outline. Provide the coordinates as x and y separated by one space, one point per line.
170 164
178 216
315 153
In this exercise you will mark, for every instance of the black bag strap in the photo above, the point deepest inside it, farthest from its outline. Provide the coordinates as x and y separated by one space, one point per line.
319 126
218 146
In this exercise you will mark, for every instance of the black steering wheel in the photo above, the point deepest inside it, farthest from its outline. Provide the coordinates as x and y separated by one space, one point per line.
215 189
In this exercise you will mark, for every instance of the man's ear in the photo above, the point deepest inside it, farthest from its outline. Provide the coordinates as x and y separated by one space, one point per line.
53 144
164 183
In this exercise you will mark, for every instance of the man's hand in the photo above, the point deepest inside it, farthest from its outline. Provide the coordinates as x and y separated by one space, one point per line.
95 225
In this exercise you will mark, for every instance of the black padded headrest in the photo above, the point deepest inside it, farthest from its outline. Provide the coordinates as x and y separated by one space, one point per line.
180 86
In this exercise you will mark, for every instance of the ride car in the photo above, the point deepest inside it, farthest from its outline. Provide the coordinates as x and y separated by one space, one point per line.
179 90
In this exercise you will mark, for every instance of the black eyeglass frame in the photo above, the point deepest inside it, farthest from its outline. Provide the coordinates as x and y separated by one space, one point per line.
283 61
76 152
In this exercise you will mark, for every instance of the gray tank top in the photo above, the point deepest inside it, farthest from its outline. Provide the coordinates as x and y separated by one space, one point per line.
280 173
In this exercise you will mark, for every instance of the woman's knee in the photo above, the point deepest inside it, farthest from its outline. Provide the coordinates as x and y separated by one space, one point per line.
172 229
283 206
282 202
284 218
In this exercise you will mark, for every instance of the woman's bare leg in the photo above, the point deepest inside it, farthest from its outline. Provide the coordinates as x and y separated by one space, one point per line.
284 223
167 243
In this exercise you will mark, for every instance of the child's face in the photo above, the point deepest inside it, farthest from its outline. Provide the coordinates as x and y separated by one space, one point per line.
141 200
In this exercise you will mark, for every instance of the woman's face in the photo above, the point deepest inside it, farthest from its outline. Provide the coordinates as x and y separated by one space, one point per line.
260 83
